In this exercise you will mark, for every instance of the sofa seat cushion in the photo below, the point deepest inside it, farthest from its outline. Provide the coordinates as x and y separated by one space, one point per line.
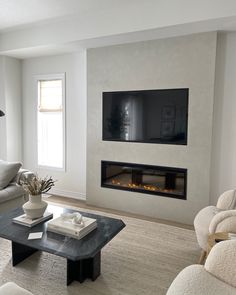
8 171
13 289
12 191
202 222
195 280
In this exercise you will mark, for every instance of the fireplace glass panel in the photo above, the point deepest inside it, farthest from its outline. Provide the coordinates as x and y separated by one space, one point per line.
157 180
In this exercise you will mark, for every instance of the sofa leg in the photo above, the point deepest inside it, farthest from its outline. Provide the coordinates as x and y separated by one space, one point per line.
202 257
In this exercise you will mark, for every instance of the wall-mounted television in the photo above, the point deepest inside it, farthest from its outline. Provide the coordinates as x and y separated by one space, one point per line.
148 116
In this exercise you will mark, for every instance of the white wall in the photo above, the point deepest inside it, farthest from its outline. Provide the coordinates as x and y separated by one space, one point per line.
72 182
13 108
168 63
223 167
10 103
3 137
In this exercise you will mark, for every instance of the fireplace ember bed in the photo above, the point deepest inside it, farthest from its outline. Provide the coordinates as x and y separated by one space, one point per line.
156 180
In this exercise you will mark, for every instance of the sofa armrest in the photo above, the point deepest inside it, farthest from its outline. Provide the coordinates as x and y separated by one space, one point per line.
224 221
22 174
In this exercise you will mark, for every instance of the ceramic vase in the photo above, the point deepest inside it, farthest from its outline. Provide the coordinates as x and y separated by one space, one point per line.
35 207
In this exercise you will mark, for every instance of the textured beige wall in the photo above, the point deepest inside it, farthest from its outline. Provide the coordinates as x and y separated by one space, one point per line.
187 61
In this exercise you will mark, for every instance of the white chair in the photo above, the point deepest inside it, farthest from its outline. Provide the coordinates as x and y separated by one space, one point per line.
219 218
216 277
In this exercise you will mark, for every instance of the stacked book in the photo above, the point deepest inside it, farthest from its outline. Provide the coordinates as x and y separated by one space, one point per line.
67 228
232 236
26 221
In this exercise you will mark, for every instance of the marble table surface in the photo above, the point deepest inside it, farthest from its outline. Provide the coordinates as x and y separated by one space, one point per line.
70 248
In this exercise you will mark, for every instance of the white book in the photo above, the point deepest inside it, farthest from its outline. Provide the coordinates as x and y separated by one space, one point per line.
26 221
232 236
67 228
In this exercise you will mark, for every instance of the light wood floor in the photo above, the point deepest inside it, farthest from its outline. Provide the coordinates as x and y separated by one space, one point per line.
82 204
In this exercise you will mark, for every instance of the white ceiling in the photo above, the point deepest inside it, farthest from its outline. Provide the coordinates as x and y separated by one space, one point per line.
30 28
15 13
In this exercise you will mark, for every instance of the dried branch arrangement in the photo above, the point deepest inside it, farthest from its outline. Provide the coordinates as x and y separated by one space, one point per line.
36 185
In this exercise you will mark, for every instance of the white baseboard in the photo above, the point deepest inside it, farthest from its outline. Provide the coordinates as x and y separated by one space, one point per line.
68 194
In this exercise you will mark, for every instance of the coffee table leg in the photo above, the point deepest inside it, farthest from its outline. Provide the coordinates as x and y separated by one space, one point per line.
83 269
20 252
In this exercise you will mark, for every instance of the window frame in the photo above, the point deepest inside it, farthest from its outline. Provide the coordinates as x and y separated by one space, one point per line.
49 77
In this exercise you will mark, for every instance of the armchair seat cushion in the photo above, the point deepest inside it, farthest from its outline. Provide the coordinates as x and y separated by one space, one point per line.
202 222
195 280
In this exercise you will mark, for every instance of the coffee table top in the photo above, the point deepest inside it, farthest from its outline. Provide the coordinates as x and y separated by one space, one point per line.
57 244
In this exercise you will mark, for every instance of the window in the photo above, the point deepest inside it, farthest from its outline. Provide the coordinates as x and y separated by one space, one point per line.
51 121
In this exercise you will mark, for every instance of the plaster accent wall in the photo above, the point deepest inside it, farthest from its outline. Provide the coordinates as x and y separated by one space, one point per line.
72 182
181 62
10 103
223 168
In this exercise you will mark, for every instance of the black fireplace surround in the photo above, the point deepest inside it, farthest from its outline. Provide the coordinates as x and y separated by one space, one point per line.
156 180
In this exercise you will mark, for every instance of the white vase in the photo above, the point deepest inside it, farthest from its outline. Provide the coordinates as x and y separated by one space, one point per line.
35 207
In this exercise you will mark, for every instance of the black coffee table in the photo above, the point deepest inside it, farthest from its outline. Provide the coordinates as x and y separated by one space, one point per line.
83 256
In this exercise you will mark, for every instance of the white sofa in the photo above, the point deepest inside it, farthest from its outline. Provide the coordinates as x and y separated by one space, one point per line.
11 288
219 218
12 195
216 277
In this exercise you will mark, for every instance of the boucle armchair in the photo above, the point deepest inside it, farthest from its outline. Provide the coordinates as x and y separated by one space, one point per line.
219 218
216 277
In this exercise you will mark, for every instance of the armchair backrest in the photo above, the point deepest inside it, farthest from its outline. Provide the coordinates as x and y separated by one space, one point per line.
221 262
227 201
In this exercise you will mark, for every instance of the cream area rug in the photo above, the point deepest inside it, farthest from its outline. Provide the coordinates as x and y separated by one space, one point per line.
143 258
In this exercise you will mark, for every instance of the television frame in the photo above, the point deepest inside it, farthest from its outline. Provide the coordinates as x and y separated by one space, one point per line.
146 141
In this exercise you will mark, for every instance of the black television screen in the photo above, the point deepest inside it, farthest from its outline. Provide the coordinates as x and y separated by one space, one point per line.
150 116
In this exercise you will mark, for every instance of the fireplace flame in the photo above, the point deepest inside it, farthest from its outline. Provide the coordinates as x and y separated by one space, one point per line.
139 186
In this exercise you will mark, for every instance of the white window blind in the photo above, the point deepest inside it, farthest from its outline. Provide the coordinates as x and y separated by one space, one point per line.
50 96
51 122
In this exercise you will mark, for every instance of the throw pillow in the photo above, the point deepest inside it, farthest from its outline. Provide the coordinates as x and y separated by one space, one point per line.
8 171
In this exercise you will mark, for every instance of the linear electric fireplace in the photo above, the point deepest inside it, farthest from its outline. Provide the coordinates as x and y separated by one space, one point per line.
156 180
